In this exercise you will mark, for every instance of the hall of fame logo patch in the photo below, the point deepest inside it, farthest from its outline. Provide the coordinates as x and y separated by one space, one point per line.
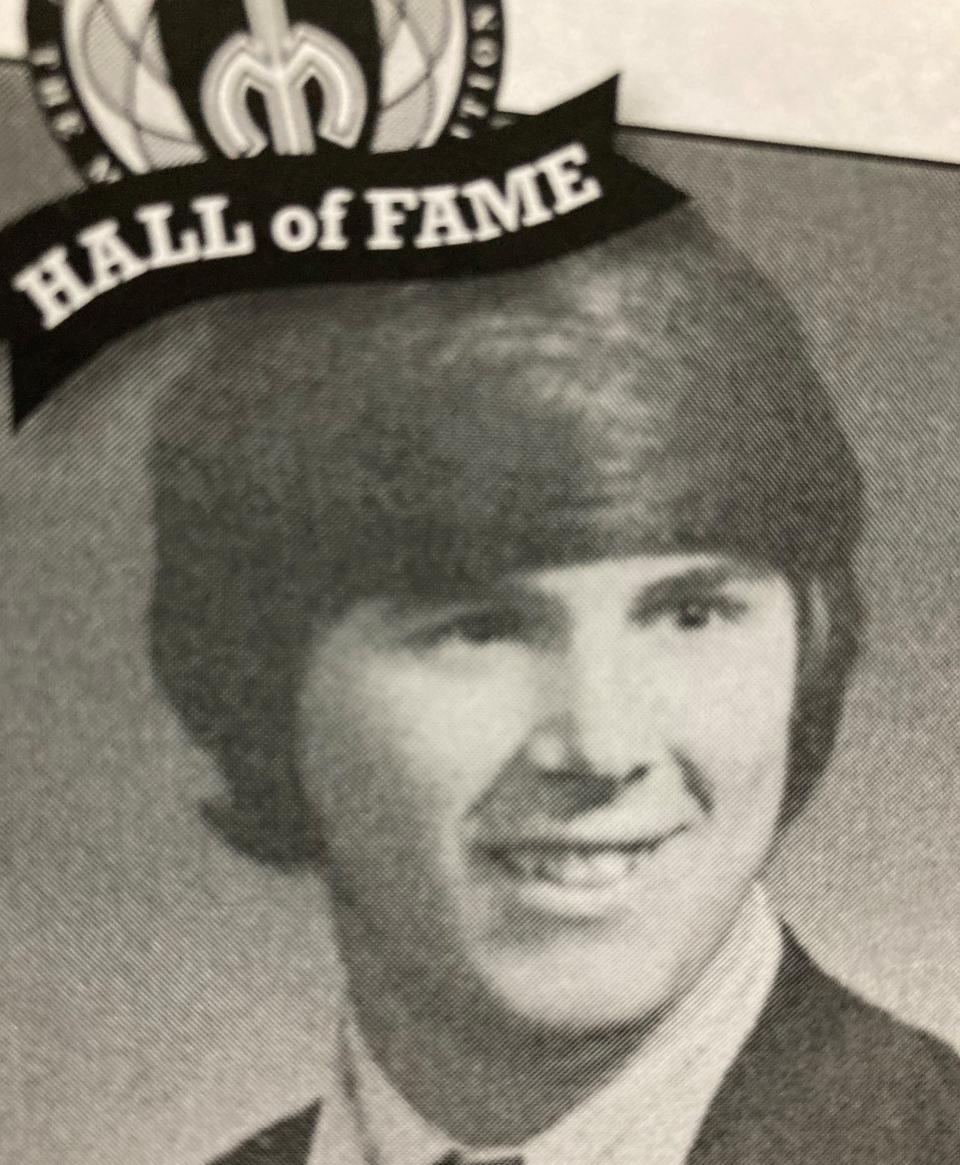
134 86
231 145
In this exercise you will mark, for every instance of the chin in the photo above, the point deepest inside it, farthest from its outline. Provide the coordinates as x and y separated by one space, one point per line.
567 992
590 978
572 1011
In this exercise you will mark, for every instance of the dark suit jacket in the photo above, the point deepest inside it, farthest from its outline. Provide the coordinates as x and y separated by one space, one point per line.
824 1079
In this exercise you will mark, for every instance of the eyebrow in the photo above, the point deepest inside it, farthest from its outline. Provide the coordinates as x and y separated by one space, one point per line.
703 577
714 574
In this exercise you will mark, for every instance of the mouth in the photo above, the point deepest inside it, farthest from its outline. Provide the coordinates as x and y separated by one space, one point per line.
576 865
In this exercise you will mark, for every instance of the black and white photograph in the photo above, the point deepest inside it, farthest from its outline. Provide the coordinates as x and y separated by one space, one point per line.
479 524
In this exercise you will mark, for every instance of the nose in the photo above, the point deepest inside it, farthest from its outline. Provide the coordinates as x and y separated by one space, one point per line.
593 725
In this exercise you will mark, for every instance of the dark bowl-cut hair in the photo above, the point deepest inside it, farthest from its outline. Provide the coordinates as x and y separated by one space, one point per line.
649 393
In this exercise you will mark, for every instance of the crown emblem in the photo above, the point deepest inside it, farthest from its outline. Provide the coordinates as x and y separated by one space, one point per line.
277 61
131 86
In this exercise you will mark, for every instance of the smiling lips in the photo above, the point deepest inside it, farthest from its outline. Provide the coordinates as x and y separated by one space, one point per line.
576 865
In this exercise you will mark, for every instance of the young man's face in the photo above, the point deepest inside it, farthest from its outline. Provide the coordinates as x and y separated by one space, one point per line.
556 792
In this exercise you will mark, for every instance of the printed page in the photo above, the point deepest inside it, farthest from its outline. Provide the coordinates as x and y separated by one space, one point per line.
478 526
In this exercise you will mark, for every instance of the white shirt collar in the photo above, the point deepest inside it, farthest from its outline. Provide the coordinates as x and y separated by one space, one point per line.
651 1111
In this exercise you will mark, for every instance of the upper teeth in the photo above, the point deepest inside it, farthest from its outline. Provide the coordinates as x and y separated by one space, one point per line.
571 867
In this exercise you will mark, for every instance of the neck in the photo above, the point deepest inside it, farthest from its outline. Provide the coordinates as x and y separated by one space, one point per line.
483 1077
479 1091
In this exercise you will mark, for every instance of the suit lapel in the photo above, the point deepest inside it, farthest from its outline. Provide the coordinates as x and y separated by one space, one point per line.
733 1119
800 1092
286 1143
811 1086
764 1091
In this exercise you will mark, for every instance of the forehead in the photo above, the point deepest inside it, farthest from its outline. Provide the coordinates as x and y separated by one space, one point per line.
591 584
630 573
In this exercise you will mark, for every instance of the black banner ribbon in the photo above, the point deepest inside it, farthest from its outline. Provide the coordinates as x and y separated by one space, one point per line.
84 270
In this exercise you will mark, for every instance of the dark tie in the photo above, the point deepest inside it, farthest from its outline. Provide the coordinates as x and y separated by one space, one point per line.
458 1158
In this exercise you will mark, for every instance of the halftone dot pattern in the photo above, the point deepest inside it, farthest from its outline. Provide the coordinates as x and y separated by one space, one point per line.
123 79
420 71
162 997
127 77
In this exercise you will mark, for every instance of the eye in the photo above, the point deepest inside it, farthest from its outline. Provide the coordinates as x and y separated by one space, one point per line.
694 616
689 612
485 627
699 614
479 628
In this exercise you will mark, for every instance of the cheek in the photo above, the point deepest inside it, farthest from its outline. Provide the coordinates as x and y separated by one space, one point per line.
455 732
730 713
408 748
